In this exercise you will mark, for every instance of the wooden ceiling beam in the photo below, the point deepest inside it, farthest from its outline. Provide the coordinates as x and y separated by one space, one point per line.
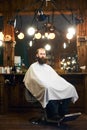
47 13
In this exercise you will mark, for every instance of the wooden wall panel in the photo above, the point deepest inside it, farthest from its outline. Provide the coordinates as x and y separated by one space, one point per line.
82 43
82 55
8 54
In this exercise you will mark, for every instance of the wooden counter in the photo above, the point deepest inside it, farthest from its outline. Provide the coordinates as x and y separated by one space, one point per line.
12 92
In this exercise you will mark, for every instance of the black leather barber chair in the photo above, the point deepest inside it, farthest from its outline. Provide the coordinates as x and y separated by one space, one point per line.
60 116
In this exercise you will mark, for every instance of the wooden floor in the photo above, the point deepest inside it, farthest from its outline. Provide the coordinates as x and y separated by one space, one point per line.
21 121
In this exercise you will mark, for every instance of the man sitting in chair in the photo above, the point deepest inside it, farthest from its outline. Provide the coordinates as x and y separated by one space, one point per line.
51 90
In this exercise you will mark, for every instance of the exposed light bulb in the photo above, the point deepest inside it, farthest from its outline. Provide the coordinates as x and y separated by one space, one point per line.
47 47
30 43
46 34
51 35
21 35
31 31
69 36
1 43
38 35
72 30
64 45
1 36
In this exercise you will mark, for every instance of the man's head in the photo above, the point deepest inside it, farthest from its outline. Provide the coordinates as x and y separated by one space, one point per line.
41 55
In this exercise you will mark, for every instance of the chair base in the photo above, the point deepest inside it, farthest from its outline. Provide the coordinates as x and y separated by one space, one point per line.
59 121
65 118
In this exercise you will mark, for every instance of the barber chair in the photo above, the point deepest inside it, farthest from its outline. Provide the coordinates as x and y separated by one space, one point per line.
44 118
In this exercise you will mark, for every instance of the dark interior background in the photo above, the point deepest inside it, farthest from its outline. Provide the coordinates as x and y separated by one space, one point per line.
26 52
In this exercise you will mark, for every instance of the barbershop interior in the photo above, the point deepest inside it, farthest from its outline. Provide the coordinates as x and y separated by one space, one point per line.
58 30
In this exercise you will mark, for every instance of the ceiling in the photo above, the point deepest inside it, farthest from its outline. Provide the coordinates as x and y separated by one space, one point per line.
10 7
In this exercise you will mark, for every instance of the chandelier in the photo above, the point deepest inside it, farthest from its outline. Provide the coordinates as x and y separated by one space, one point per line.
47 29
